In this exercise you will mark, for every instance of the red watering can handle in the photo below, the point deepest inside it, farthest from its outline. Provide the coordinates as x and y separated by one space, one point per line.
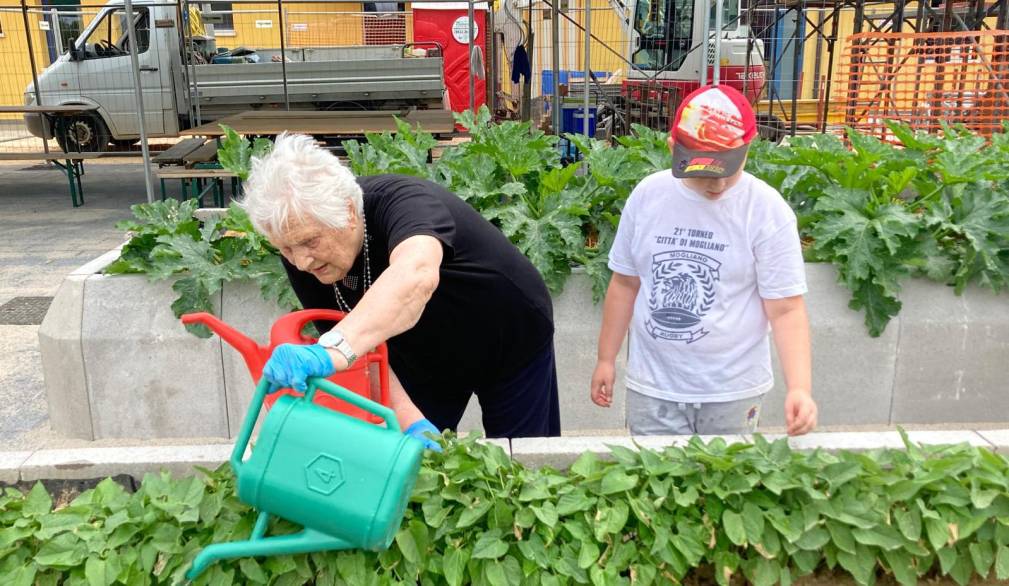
287 329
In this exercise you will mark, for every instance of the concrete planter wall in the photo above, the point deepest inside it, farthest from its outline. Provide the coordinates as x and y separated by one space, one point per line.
117 363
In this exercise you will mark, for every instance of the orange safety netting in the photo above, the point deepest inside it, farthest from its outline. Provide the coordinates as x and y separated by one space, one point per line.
923 79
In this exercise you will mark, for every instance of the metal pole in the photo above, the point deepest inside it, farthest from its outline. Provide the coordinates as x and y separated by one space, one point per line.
491 61
135 71
54 16
283 53
588 63
705 34
819 53
718 42
31 58
831 43
555 57
469 60
797 49
194 88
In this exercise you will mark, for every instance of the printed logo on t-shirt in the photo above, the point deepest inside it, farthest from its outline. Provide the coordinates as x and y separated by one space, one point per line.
683 289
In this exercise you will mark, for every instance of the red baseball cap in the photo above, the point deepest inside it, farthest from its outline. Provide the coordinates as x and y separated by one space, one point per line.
711 132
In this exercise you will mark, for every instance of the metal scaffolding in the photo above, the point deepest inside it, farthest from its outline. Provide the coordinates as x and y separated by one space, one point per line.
822 19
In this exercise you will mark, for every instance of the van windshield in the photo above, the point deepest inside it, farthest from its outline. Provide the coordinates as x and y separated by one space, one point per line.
107 36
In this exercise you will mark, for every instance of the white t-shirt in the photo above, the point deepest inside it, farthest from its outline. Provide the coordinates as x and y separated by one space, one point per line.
699 332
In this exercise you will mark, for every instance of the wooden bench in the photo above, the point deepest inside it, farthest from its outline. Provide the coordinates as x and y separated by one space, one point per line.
176 154
72 165
196 177
206 153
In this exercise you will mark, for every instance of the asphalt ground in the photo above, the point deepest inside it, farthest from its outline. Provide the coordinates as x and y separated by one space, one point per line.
42 239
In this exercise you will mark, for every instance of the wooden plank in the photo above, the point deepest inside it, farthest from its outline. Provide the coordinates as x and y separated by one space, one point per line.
174 155
204 154
325 123
807 110
184 173
75 109
52 156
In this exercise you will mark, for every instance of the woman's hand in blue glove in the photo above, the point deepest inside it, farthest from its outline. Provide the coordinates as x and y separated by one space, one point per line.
290 365
420 428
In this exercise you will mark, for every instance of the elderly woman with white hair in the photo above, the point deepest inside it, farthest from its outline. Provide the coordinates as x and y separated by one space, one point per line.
461 309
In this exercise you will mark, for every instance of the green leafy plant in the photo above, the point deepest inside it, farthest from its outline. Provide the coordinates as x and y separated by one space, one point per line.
937 207
168 242
405 152
236 152
932 206
712 513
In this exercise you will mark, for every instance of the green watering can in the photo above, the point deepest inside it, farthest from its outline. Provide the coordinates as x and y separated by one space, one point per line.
346 481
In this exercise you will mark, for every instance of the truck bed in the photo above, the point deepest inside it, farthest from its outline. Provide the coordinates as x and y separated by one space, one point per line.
323 75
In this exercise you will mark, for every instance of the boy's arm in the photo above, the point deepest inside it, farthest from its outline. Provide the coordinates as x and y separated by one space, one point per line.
790 325
617 311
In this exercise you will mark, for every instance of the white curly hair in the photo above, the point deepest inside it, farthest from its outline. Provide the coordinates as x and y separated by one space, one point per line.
296 180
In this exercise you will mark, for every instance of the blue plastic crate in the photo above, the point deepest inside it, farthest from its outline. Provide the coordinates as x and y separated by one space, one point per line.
573 116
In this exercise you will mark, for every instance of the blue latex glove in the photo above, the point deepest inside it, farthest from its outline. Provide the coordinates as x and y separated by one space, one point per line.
419 429
291 364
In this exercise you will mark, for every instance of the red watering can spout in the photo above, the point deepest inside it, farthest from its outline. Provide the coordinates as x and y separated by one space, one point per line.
251 352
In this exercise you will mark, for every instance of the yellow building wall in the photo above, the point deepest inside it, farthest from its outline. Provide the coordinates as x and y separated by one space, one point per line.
609 48
308 25
15 66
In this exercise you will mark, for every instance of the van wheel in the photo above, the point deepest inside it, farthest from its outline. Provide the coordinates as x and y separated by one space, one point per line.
85 133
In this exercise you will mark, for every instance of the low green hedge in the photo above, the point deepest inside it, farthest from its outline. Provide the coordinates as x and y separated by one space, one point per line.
759 511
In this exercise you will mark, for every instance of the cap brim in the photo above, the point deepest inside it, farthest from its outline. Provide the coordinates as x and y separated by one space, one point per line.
695 163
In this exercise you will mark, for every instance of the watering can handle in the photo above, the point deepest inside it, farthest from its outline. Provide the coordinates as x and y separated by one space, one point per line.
265 387
317 383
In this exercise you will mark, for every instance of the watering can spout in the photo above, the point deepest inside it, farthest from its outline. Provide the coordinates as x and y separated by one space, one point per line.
245 345
307 541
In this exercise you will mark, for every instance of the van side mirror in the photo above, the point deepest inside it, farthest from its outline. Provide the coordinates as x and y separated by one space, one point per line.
75 53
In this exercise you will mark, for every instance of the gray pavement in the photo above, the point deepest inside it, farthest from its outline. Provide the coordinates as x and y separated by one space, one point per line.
42 238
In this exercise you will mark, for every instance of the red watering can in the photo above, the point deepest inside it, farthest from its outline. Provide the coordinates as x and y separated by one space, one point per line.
287 330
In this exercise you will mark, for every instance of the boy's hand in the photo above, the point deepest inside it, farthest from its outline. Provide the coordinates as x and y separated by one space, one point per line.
800 412
602 384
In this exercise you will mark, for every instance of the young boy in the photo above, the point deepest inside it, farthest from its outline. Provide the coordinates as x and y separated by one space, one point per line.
705 258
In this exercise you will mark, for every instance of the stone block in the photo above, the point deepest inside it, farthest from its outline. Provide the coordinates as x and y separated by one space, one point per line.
502 443
98 265
951 361
852 372
10 466
243 308
577 320
147 376
560 452
661 442
63 367
844 440
998 438
949 438
85 463
869 440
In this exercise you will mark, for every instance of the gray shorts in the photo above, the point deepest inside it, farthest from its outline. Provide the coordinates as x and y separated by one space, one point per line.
650 416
